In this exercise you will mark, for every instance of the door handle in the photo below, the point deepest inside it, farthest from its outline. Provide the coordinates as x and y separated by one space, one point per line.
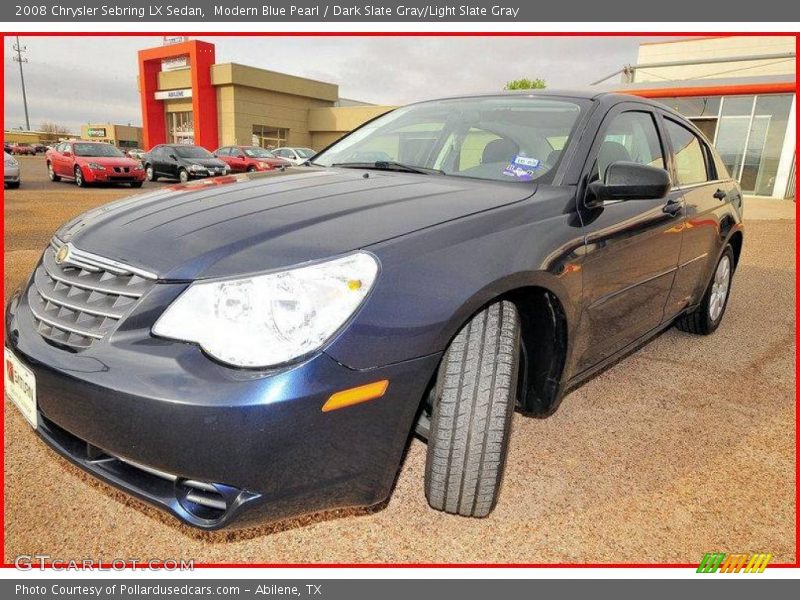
720 194
672 208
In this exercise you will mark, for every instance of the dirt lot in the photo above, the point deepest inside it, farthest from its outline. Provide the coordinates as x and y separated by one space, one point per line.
684 447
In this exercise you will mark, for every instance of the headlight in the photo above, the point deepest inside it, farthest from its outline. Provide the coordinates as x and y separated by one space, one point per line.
269 319
196 168
96 166
138 167
263 165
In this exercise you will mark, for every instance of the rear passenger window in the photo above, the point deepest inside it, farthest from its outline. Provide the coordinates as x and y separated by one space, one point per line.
224 152
690 156
631 137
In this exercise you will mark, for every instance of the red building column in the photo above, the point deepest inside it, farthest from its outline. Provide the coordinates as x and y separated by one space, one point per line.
201 56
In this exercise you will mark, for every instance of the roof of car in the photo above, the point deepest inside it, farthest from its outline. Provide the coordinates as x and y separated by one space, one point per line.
585 94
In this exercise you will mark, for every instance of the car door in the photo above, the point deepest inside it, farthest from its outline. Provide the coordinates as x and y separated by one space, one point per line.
65 161
170 162
237 160
631 247
157 159
705 195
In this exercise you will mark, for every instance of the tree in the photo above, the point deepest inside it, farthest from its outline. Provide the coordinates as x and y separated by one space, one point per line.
526 84
49 127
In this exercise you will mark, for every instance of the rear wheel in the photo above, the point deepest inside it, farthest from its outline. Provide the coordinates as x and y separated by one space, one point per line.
706 318
473 404
251 169
51 173
79 179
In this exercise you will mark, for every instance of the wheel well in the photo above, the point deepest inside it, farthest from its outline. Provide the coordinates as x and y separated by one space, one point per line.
544 349
736 243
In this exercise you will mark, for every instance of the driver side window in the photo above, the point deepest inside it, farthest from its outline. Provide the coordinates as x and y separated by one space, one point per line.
631 137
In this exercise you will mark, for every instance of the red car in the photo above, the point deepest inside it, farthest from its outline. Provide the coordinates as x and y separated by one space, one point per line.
250 159
22 149
93 162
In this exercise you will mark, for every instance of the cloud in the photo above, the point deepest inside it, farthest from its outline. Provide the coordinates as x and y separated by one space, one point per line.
76 80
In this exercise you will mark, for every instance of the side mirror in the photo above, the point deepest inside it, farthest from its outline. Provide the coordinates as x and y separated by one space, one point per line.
67 153
630 181
173 157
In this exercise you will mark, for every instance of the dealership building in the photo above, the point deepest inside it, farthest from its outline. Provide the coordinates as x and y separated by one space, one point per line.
738 90
187 97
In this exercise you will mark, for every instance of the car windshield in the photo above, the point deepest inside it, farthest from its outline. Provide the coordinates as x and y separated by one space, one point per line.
258 153
104 150
192 152
502 138
304 152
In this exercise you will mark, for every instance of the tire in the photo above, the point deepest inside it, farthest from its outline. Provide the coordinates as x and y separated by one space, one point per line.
251 169
183 176
473 405
79 179
705 319
151 174
51 173
136 184
12 185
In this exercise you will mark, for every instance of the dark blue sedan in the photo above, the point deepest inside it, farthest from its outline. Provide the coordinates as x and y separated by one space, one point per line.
258 346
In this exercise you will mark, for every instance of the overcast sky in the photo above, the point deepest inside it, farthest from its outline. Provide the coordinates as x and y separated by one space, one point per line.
74 80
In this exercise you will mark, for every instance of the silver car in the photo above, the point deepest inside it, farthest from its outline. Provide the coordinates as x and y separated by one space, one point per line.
12 178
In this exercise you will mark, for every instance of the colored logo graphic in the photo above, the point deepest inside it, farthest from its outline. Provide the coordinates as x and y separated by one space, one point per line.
719 562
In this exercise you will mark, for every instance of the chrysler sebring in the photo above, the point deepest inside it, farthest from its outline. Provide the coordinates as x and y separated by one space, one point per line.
257 346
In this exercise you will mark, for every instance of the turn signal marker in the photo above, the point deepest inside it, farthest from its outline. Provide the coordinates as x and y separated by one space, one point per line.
356 395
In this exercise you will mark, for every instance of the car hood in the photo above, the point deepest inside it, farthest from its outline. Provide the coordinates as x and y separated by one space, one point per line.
241 224
206 162
108 161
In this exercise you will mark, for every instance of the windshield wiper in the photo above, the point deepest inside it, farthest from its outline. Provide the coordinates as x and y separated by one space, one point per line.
389 165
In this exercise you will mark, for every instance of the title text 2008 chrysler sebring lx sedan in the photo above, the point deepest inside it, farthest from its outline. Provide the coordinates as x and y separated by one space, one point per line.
254 347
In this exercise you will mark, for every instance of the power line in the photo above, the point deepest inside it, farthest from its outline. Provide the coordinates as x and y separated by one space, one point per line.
18 58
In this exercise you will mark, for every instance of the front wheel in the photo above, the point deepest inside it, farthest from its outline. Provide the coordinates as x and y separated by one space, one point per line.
706 318
79 179
473 404
51 173
151 174
183 175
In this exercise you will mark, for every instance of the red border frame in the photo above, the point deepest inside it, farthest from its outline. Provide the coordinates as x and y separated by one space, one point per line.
698 34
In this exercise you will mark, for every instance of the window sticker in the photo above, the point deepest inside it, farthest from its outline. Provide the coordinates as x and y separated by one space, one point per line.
522 167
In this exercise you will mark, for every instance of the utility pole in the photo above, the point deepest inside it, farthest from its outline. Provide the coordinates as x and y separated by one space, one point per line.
21 59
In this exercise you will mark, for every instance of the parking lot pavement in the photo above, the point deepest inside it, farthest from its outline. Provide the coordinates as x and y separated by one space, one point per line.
684 447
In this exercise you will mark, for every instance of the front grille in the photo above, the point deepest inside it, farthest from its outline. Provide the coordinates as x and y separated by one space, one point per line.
122 169
81 299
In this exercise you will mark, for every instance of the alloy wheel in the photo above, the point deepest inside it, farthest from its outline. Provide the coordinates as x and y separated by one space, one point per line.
719 288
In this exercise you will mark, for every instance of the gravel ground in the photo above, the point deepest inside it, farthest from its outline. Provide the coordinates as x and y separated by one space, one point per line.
684 447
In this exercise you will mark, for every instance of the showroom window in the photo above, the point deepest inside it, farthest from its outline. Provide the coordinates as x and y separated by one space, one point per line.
269 137
180 127
747 131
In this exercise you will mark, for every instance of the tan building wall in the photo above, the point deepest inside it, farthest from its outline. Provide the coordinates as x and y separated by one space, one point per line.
715 48
248 97
329 124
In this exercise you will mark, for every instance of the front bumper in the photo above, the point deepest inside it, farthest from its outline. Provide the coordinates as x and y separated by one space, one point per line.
258 437
11 175
111 176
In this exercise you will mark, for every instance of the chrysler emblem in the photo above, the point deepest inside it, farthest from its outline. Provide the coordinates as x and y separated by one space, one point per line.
62 254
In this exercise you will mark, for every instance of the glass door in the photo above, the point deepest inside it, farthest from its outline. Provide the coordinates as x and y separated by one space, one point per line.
180 127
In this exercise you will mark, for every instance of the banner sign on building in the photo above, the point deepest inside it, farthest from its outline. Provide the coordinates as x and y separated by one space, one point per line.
175 63
96 132
174 94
